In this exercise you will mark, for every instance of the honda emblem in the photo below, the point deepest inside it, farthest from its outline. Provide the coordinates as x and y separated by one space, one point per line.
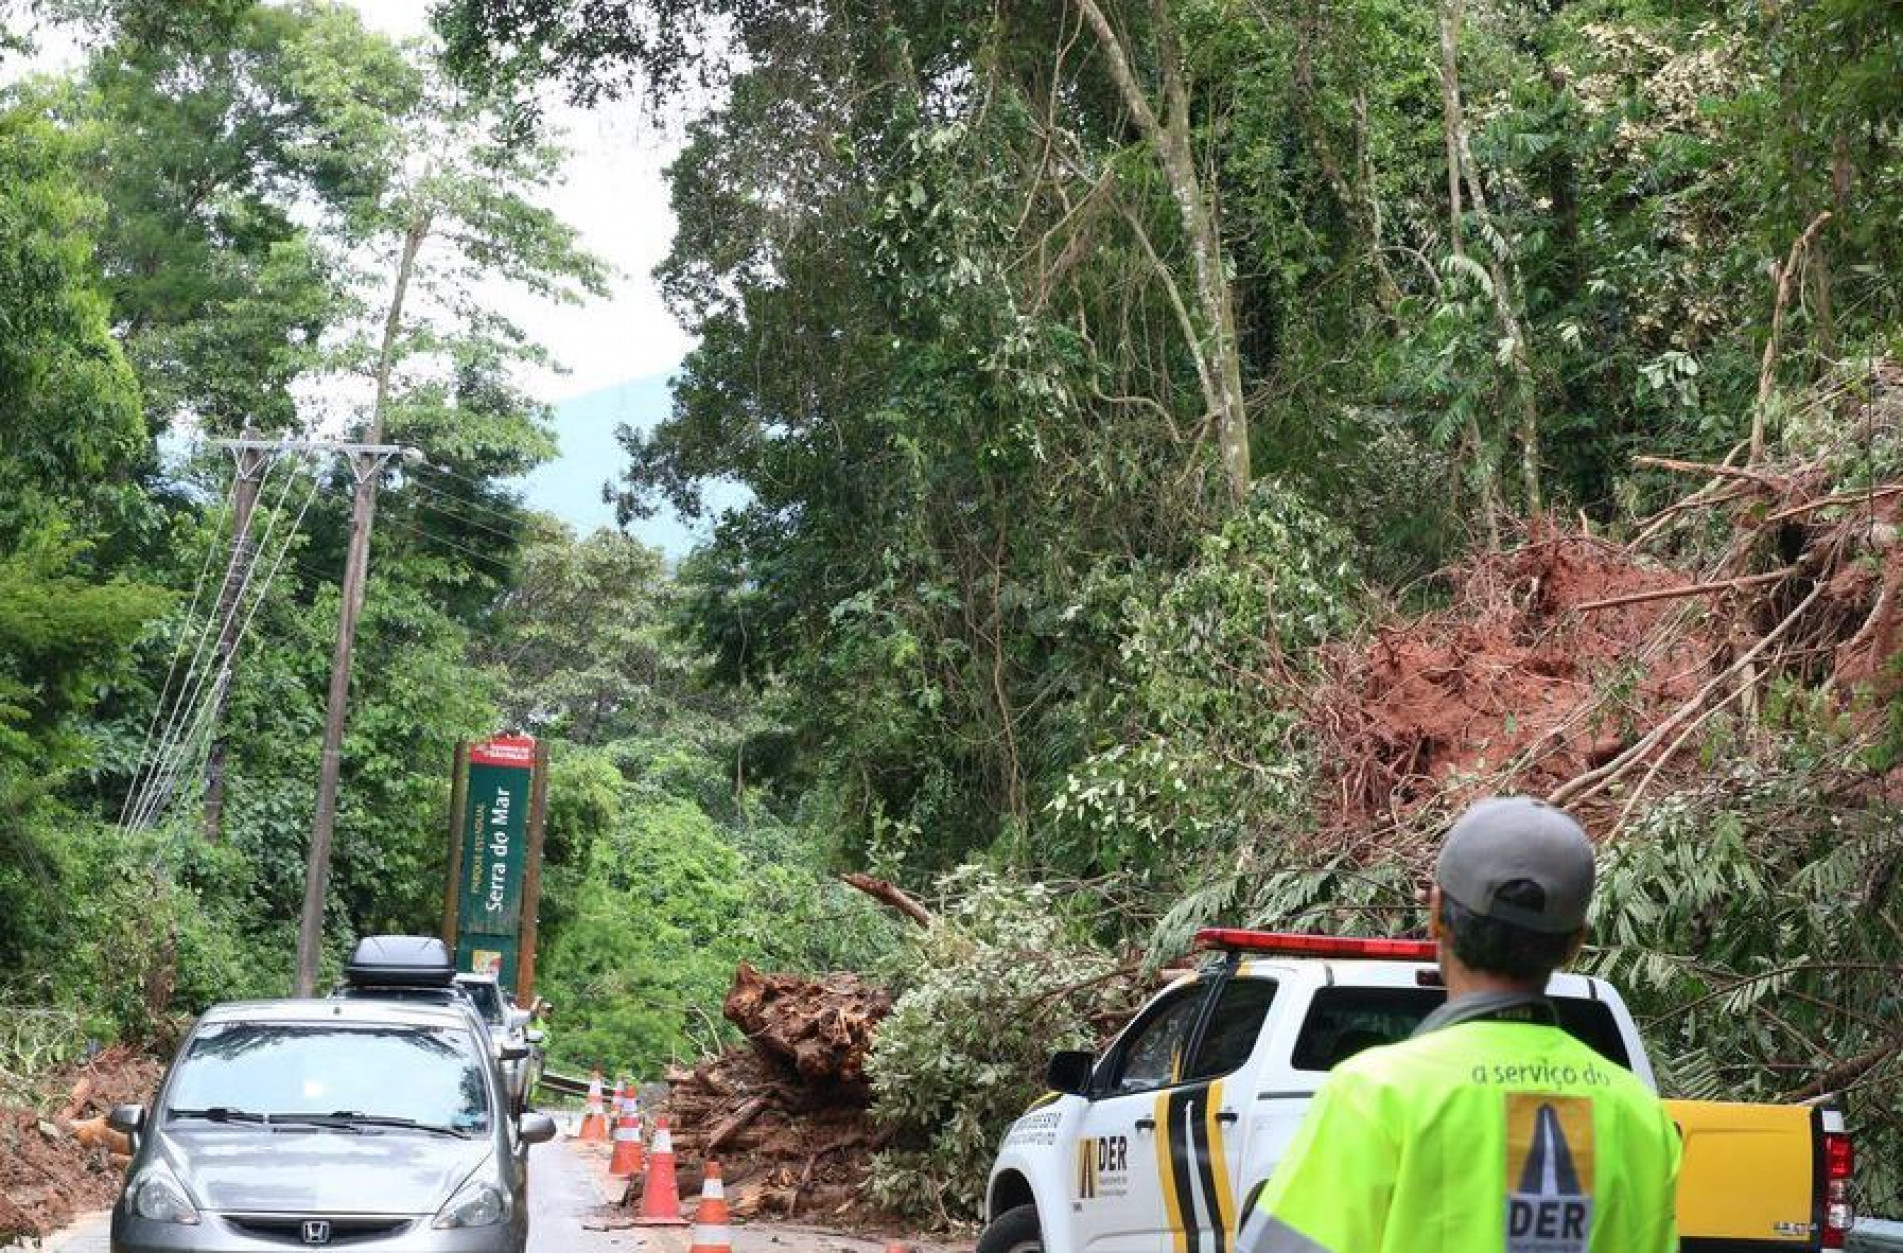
317 1231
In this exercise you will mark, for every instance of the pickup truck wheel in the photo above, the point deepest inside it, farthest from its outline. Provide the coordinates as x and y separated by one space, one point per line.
1015 1231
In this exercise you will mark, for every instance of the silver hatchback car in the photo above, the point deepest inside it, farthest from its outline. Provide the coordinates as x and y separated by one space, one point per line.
381 1125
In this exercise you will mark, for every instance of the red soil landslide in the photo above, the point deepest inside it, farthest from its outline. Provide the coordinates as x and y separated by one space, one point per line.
1431 707
57 1163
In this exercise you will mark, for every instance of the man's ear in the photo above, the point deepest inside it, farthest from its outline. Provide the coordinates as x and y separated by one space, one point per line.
1572 949
1435 931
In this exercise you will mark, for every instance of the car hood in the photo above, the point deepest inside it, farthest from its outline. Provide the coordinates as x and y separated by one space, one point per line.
304 1170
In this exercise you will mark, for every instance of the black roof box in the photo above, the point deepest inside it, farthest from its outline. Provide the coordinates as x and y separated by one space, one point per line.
399 961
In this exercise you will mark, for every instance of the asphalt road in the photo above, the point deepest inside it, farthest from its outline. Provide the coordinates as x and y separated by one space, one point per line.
562 1196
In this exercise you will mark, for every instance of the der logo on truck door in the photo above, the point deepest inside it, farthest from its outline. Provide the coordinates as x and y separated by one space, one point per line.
1549 1173
1103 1167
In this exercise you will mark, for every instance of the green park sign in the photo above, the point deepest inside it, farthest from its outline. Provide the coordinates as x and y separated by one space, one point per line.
493 860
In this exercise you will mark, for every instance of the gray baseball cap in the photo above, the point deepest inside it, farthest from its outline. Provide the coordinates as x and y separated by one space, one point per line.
1506 838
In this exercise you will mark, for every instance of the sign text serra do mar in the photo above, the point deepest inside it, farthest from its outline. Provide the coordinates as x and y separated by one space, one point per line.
495 855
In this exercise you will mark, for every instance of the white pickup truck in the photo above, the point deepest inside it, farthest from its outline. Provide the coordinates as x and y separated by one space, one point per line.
1160 1145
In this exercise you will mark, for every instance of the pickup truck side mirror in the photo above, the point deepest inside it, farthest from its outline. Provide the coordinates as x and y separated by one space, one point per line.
536 1128
127 1120
535 1037
1069 1072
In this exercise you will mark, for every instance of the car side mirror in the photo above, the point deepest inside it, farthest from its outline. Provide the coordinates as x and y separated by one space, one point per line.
513 1052
535 1037
127 1120
536 1128
1069 1072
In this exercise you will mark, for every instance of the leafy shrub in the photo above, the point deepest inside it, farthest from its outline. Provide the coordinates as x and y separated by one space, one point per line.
1210 751
996 984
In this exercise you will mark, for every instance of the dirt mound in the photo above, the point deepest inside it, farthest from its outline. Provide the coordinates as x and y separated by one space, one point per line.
57 1158
786 1115
1509 678
1591 673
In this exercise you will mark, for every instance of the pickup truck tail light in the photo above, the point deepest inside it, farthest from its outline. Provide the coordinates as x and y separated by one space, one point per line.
1840 1161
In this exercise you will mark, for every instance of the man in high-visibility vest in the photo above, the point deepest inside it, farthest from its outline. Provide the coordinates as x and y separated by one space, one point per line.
1491 1129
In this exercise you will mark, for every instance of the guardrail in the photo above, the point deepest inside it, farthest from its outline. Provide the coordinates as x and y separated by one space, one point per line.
562 1084
1875 1235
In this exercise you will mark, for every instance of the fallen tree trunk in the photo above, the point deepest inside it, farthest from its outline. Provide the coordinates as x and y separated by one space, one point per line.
889 895
734 1125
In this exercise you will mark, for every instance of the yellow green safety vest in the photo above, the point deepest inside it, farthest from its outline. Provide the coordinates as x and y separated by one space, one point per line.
1494 1136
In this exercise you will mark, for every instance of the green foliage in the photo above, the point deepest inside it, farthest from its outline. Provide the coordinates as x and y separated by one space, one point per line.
652 902
210 156
69 407
998 983
1752 927
1201 749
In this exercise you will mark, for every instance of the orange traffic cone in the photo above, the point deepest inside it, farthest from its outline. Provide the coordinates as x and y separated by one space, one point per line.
711 1231
660 1194
594 1125
626 1161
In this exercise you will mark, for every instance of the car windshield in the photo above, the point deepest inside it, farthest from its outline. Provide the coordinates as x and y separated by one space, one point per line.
424 1075
488 999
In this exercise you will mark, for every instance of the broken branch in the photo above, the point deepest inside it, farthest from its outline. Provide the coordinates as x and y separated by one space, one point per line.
1689 589
889 895
1704 467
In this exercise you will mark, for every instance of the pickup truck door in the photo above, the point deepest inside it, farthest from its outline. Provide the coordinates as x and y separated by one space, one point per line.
1116 1192
1208 1119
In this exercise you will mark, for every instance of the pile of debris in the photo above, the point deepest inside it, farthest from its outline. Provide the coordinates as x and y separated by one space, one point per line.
785 1114
58 1157
1507 680
1592 672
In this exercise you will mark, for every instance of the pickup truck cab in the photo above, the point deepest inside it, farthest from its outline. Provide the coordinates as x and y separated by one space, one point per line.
1161 1144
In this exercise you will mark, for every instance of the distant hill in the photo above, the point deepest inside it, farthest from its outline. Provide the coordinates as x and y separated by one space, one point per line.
570 486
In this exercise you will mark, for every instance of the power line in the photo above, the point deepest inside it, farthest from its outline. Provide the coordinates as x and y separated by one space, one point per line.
417 480
178 700
516 534
178 649
209 709
195 676
496 566
204 700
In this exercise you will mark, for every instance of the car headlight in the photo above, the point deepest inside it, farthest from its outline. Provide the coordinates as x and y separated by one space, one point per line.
156 1194
478 1203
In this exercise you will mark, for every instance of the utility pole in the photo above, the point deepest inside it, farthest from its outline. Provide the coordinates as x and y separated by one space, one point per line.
367 464
252 459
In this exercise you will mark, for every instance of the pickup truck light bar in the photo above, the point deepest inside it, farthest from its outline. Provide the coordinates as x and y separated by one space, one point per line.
1234 939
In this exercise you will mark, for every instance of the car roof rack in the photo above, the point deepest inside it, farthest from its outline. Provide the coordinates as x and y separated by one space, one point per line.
399 961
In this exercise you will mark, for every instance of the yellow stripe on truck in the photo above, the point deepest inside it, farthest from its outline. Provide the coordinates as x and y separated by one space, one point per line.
1166 1176
1219 1161
1726 1143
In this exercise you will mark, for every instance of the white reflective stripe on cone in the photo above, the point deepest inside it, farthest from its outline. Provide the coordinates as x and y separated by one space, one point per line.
663 1141
720 1237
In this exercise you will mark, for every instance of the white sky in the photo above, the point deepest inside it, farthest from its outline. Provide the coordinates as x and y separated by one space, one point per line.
615 196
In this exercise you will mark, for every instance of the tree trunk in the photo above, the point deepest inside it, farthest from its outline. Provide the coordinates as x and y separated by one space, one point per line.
1356 199
1475 439
1464 171
1168 132
420 222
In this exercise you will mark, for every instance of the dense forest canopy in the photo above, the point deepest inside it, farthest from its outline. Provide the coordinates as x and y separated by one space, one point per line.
1132 399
